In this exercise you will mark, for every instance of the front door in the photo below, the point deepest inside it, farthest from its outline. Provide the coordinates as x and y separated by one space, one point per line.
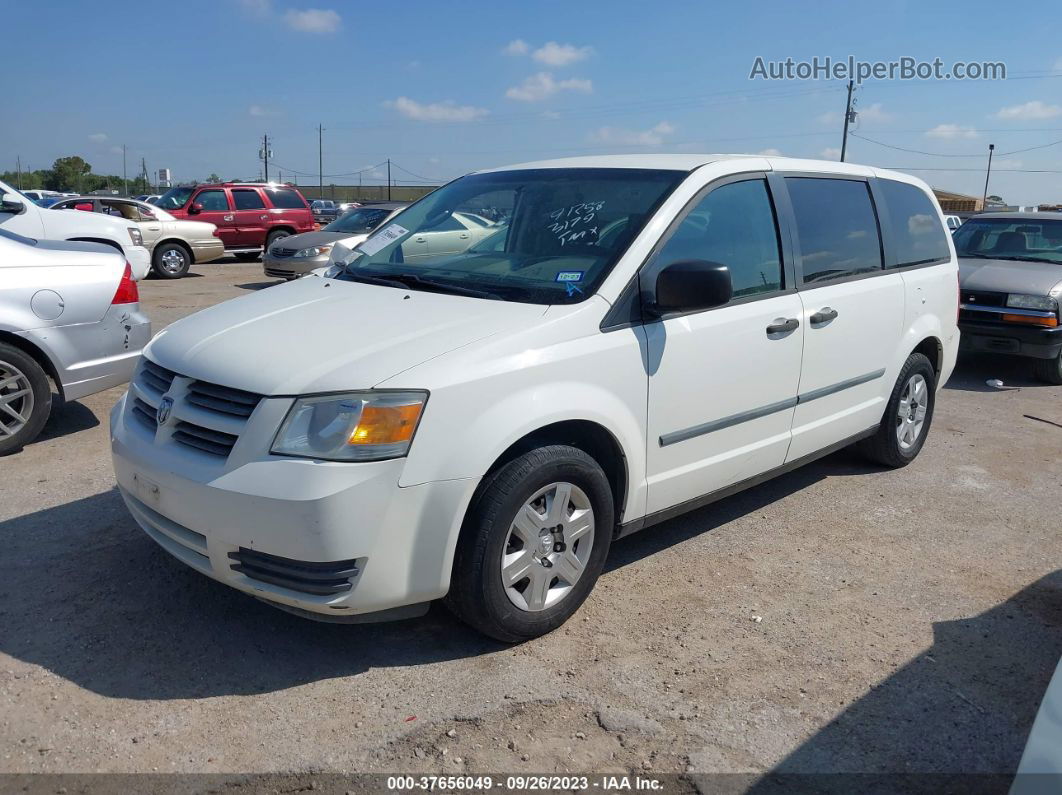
723 382
216 210
252 217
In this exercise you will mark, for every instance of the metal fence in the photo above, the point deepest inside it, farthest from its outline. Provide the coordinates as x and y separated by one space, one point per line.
372 193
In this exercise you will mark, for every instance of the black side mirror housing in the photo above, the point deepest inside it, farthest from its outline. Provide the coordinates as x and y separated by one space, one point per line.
690 285
13 204
195 209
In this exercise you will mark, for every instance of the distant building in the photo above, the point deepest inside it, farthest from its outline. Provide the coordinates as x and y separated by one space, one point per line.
958 202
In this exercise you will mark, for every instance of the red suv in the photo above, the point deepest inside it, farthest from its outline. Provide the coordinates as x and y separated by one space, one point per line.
250 216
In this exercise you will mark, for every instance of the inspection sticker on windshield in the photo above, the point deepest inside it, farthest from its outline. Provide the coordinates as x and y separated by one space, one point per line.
383 238
570 276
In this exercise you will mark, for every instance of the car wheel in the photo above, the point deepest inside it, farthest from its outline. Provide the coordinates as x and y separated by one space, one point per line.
25 399
533 544
171 261
908 415
274 236
1050 370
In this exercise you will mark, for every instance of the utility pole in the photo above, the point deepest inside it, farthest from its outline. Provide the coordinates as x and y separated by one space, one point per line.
18 166
320 160
265 155
125 179
847 118
988 173
388 179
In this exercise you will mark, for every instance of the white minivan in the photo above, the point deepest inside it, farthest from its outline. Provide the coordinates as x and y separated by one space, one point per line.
638 336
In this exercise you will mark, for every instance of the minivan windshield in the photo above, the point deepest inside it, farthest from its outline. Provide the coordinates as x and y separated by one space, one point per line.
543 236
174 198
1036 240
359 221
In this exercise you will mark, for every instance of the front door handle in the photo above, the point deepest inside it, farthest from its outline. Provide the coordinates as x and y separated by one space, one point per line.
226 218
264 217
782 325
824 315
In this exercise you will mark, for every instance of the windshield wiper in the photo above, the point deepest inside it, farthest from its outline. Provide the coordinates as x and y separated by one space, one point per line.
1012 258
404 281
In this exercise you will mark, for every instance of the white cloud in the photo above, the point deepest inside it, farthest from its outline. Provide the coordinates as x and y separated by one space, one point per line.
436 111
1058 65
259 111
951 131
872 113
541 86
830 117
1030 110
830 153
413 65
516 47
654 136
116 150
550 114
314 20
98 138
258 8
771 152
433 160
553 54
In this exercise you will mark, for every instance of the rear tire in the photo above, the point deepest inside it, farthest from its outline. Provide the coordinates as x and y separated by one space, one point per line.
171 261
25 399
1049 370
908 415
274 236
545 519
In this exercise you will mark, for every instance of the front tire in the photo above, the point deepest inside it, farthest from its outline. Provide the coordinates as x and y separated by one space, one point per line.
1050 370
908 415
533 544
25 399
171 261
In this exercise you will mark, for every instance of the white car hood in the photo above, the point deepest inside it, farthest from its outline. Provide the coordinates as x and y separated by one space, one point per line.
322 335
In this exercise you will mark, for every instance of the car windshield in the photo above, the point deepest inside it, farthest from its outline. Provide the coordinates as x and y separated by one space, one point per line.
174 198
543 236
359 221
1011 239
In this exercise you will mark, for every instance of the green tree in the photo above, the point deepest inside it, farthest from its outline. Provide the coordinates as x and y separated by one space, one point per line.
213 179
69 173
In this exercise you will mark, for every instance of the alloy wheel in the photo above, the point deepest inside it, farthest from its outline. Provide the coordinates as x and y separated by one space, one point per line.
911 411
16 400
173 260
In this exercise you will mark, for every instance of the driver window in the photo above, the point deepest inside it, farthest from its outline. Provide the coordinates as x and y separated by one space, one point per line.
213 201
733 225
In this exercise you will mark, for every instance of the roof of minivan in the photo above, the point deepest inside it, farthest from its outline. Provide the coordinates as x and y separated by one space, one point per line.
1046 215
689 162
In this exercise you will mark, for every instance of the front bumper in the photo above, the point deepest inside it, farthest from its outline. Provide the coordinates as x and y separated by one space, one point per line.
292 267
1038 343
233 520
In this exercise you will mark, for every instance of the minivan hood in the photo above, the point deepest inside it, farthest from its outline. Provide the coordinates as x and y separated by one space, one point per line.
1008 276
322 335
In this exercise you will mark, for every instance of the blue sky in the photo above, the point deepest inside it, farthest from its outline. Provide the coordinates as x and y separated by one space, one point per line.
443 88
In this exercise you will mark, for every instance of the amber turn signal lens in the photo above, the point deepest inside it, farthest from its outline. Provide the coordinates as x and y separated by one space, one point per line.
386 424
1050 322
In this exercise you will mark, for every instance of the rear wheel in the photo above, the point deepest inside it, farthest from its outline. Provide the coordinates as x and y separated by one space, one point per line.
533 544
171 261
25 399
1050 370
908 415
274 236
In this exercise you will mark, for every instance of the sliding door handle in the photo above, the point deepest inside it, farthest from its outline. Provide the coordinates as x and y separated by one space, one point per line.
783 325
824 315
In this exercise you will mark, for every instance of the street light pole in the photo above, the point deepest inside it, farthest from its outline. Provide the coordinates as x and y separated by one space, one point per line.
988 173
125 180
847 118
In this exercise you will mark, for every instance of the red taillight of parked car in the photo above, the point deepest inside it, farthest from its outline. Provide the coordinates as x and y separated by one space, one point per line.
127 292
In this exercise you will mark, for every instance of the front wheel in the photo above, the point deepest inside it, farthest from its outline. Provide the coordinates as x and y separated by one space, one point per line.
533 544
171 261
908 415
1050 370
25 399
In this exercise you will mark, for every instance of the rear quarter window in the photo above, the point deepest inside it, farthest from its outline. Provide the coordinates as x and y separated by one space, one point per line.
286 199
918 236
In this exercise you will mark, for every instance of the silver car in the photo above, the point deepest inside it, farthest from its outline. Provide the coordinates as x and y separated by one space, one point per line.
297 255
69 317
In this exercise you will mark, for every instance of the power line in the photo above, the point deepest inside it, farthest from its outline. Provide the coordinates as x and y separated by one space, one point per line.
949 154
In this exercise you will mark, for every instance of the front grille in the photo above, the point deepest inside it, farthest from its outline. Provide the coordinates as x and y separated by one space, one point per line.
322 579
223 399
205 439
155 377
984 299
146 414
281 253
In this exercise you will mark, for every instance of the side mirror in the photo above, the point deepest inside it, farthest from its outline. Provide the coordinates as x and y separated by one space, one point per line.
195 209
692 284
10 203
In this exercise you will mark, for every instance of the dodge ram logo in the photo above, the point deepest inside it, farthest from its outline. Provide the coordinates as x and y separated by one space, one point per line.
165 407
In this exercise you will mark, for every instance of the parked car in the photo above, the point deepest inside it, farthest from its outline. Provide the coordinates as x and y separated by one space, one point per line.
953 222
40 195
297 255
150 198
655 333
324 210
1040 768
345 207
49 201
23 217
174 244
1010 275
250 216
69 316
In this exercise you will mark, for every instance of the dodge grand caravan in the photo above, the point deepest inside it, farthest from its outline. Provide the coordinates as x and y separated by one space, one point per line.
641 335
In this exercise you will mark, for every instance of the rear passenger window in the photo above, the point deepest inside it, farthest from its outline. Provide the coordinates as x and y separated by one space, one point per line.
286 199
918 235
247 199
734 226
836 226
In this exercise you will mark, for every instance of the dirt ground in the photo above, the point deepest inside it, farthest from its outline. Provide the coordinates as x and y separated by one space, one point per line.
838 619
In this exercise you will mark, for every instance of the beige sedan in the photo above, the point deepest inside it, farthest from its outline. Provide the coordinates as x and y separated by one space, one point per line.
174 244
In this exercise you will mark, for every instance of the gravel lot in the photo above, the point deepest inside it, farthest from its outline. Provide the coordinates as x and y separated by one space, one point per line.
837 619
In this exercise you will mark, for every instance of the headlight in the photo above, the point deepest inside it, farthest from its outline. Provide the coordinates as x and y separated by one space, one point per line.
135 236
359 426
1041 302
313 251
